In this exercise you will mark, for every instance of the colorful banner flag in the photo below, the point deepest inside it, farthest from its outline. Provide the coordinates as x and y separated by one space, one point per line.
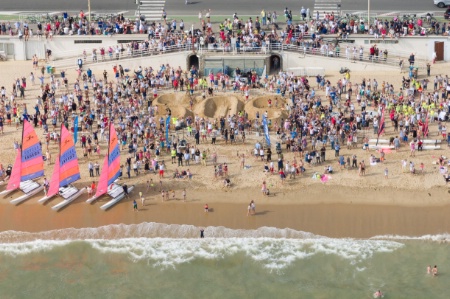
113 155
75 130
266 130
425 127
167 128
381 125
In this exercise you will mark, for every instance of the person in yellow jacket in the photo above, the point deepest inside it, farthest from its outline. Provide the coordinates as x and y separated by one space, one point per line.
173 154
263 17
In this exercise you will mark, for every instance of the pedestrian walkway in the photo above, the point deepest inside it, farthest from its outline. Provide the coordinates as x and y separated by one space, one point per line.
327 6
151 9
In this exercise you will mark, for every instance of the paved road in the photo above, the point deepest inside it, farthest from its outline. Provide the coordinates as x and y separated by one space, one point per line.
219 7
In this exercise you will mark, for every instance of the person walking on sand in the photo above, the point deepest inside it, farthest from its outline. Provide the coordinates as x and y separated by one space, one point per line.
253 207
161 170
142 198
184 194
249 209
49 157
386 173
206 208
264 188
242 161
135 207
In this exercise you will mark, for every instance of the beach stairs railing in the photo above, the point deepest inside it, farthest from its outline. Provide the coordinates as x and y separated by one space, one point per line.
327 6
151 9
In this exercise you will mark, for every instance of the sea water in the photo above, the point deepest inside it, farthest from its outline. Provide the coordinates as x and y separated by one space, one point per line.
151 260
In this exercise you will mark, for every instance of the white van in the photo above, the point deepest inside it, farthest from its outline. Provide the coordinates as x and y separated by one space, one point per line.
441 3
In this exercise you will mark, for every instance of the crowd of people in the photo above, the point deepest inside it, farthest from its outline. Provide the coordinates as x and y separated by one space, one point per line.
345 114
266 30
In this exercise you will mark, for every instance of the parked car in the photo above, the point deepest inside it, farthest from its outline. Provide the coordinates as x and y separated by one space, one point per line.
441 3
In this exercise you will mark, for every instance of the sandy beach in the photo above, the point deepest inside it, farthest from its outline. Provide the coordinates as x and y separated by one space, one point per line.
348 205
339 217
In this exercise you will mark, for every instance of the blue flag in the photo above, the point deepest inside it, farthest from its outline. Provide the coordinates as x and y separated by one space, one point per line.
266 130
75 130
167 128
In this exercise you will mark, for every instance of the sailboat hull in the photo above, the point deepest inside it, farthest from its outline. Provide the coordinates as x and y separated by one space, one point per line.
44 199
116 199
92 199
5 192
68 200
27 195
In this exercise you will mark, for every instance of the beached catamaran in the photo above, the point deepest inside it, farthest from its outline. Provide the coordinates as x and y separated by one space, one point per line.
65 172
110 173
28 166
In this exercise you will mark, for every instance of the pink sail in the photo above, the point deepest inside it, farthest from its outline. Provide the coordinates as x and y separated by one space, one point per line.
32 165
69 170
14 180
54 182
113 155
102 186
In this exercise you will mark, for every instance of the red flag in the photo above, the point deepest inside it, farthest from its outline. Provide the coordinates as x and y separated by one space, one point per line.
425 127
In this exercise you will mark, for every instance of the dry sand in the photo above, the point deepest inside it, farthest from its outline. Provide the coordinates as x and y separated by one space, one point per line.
346 206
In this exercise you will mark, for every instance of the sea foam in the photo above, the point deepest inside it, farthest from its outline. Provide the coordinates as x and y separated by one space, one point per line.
165 245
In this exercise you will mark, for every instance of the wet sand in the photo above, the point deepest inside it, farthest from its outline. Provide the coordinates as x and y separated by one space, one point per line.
335 218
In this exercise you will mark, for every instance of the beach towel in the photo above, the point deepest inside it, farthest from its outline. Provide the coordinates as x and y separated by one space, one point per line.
386 151
325 178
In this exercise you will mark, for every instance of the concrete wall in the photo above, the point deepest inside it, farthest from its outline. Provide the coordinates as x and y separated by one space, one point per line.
173 59
295 60
65 46
423 47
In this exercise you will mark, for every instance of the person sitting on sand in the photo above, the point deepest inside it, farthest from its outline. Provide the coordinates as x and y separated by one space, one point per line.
446 178
176 174
226 183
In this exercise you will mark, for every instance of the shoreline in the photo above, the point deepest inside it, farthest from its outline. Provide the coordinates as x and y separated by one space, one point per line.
328 219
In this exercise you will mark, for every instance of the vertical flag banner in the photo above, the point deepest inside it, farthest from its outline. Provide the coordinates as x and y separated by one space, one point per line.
381 125
113 155
75 130
425 127
266 130
167 128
